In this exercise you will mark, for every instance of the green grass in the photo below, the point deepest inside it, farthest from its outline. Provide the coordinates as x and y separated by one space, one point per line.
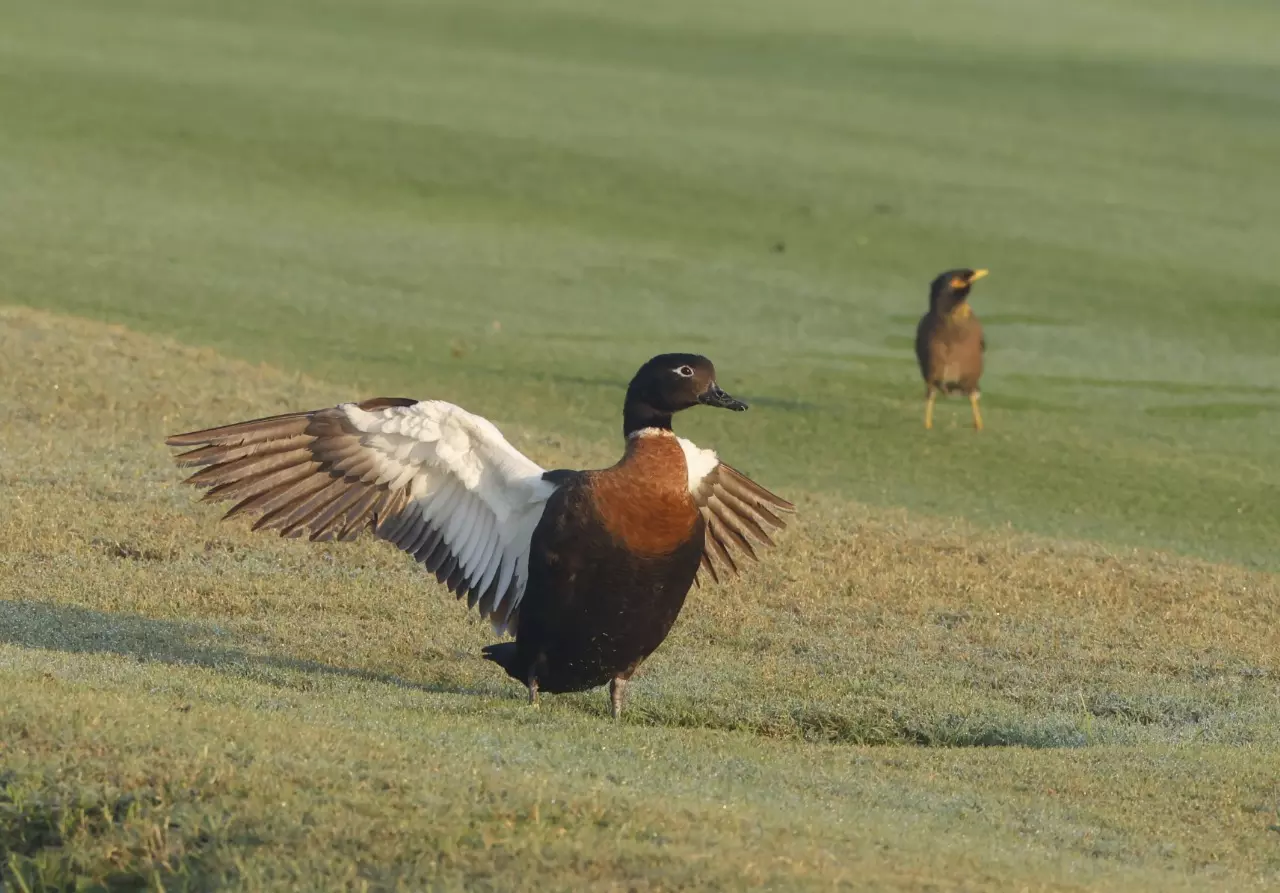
555 191
1042 657
886 702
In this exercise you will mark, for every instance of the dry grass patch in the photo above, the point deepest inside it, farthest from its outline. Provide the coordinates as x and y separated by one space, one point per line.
194 703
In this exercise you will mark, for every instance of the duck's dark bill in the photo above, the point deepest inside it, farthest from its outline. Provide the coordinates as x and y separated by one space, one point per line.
713 396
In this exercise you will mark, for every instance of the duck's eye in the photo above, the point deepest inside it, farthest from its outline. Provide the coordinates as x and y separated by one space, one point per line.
685 372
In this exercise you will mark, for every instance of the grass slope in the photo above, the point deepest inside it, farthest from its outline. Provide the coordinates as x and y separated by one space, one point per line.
190 705
977 663
511 205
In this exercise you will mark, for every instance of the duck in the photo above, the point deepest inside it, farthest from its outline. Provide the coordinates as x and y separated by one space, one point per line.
584 571
950 344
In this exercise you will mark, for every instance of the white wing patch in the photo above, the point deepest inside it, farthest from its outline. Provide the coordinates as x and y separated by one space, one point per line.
474 500
700 462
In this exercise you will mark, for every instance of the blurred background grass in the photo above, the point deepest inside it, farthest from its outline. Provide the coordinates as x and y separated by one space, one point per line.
512 205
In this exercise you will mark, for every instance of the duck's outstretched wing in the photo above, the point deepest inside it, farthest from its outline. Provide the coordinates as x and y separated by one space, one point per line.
740 514
438 482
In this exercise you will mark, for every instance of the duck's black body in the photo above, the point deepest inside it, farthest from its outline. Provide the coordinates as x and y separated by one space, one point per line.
593 608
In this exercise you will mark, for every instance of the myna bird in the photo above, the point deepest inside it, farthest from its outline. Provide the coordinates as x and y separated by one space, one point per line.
587 569
949 342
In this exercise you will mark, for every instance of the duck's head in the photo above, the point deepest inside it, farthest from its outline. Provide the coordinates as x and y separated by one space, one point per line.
669 383
952 288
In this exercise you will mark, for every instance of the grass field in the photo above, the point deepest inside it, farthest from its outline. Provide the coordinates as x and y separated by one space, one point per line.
1040 658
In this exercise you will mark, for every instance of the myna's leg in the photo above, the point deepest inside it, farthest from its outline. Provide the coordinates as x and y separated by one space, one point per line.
930 397
974 396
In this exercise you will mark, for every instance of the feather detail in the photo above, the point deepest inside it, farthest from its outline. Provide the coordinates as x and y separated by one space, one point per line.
434 480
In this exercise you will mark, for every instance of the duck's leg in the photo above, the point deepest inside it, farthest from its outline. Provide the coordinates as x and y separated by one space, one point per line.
974 396
930 397
537 667
617 687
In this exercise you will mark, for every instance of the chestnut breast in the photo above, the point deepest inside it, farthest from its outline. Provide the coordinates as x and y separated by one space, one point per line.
644 500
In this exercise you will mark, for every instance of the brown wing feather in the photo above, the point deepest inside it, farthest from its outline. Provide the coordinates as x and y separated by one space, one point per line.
739 515
924 336
298 471
310 471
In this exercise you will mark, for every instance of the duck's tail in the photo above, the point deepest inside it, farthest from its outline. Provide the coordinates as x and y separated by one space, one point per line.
504 654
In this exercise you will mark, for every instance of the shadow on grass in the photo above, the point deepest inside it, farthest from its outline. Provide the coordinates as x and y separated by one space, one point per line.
70 628
74 629
873 723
